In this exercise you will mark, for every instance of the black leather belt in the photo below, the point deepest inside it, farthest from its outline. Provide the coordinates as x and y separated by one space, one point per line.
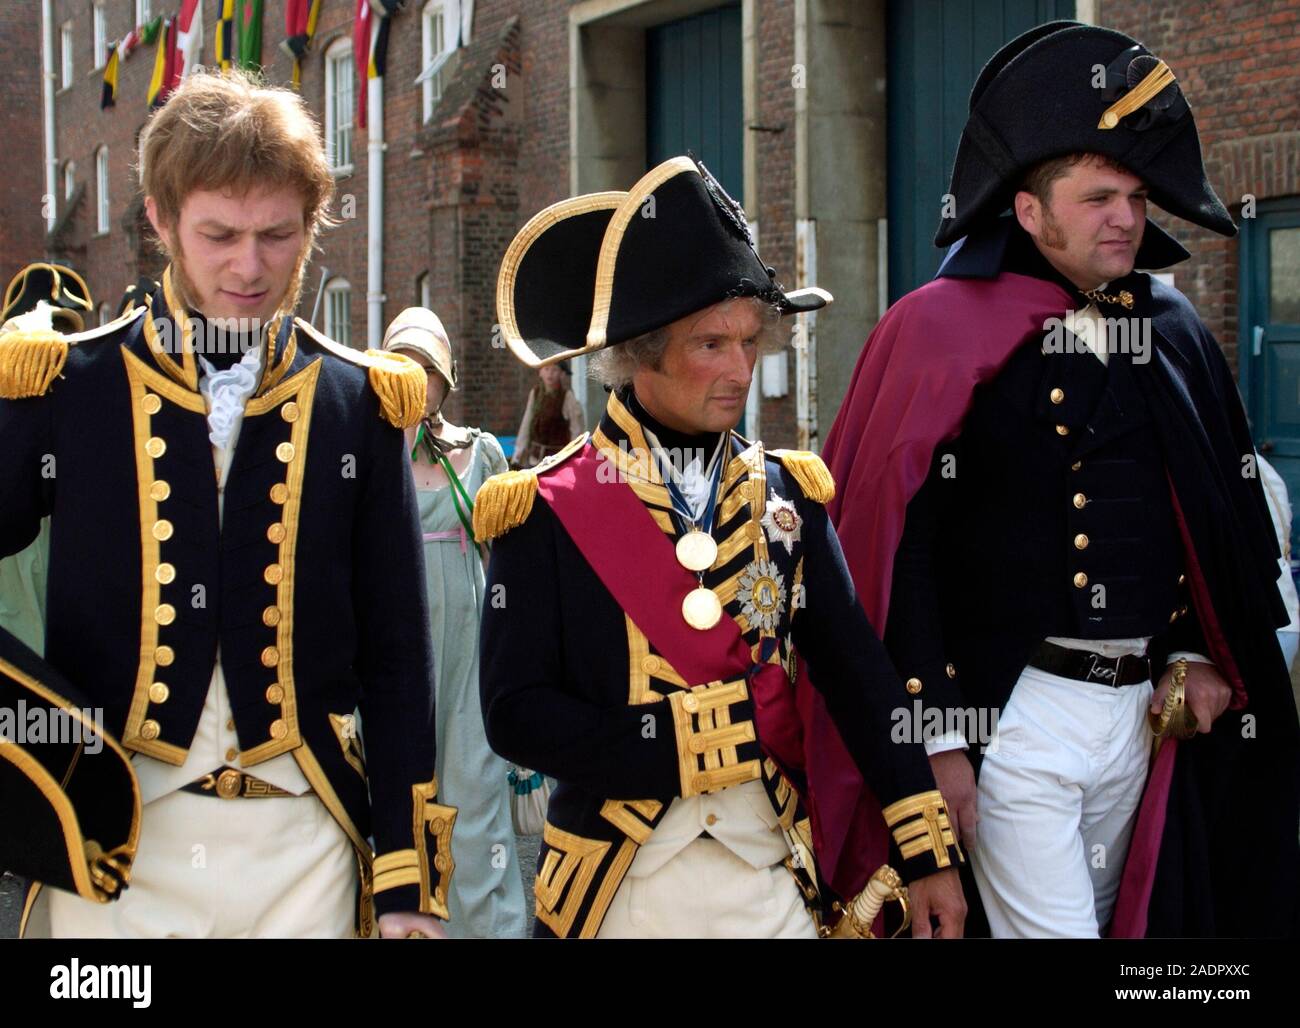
1085 666
229 784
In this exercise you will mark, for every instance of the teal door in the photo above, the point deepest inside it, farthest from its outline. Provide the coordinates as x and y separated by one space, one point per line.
935 49
693 94
1269 336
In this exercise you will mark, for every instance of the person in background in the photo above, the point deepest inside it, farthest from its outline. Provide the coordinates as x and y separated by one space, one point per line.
552 417
1279 506
449 464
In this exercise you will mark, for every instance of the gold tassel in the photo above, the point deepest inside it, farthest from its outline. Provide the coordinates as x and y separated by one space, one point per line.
503 502
810 472
400 384
30 362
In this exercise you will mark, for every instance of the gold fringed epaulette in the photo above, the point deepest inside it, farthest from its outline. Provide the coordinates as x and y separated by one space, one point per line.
810 471
503 502
398 381
30 361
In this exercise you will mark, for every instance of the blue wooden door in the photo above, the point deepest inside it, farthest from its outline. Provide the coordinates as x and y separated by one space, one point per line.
694 99
935 50
1269 336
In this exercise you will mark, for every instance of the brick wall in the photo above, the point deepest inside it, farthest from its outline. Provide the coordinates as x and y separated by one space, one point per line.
22 226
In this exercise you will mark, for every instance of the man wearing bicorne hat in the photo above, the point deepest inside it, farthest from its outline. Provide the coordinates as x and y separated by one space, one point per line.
653 588
1050 505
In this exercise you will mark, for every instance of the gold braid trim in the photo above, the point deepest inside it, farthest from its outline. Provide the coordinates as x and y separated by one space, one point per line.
400 384
810 472
503 502
30 361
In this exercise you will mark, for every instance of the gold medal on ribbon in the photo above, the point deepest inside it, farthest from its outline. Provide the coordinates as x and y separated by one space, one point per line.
696 551
702 609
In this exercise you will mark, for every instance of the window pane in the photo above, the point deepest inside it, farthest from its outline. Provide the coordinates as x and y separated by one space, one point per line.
1284 276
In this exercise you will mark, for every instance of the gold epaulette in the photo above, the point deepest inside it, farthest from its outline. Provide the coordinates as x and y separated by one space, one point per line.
504 501
33 353
398 381
809 471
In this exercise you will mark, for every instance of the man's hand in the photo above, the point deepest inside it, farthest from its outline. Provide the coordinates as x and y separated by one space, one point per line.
938 895
1205 692
956 781
400 926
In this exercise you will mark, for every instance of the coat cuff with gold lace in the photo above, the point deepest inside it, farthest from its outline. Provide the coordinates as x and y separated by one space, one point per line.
419 879
923 832
707 738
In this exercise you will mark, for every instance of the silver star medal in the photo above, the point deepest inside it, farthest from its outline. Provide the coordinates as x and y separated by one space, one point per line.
782 522
761 592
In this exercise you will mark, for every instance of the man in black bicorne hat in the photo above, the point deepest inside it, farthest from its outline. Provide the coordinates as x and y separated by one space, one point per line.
1049 504
649 587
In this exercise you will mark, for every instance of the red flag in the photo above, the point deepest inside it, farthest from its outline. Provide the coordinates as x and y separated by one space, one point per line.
361 56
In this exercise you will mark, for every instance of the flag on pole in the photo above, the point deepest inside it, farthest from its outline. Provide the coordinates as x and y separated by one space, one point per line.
370 49
250 35
227 38
300 17
165 66
149 31
108 95
189 36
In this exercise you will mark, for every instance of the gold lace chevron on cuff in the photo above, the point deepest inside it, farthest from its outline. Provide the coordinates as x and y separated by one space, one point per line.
707 738
920 824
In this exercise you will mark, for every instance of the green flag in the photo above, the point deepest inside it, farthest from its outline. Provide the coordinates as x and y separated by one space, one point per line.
149 31
249 22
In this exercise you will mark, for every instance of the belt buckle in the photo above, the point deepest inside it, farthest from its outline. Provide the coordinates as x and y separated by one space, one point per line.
1103 669
230 784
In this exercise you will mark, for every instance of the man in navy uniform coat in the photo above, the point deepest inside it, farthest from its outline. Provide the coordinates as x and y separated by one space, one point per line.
653 587
235 572
1049 498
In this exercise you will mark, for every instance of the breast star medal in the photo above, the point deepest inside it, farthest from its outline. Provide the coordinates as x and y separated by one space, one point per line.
761 592
782 522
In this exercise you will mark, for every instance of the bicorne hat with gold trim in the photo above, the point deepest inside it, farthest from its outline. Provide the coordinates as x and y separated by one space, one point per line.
1065 88
603 268
69 798
58 286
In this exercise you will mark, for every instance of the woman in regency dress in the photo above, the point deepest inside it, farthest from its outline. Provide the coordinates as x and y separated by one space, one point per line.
449 464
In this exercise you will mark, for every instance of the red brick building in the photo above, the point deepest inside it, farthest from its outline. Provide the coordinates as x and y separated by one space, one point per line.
23 205
834 121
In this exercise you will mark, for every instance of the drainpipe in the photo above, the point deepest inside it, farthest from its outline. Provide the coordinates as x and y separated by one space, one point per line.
375 147
47 101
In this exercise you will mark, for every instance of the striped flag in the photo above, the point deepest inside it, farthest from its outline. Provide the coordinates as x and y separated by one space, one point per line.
165 66
226 50
189 36
300 17
371 52
108 95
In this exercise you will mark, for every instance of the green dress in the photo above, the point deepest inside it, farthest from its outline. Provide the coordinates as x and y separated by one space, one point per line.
487 895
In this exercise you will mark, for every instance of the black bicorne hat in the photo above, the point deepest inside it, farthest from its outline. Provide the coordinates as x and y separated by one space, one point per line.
1065 88
599 269
58 285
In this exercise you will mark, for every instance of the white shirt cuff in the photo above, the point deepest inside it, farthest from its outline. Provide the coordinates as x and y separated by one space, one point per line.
944 743
1189 656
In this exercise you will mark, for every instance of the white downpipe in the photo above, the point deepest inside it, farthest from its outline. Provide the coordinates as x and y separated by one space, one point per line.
805 231
47 101
375 147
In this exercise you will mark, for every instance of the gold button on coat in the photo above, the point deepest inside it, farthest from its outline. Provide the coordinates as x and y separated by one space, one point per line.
1080 580
150 403
1076 465
273 574
279 492
711 820
162 530
1062 430
951 671
1080 500
914 685
1080 542
155 447
279 729
164 614
271 617
276 533
289 412
231 756
1057 395
650 664
275 694
697 745
690 704
700 782
284 453
158 693
163 656
160 490
165 573
436 826
150 730
270 657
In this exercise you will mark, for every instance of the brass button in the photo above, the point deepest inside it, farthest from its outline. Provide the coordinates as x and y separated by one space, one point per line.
650 664
165 573
1080 500
696 745
150 730
1080 542
1182 579
1076 465
163 656
690 704
441 863
914 685
279 492
951 671
270 657
150 403
164 614
158 693
229 783
1057 395
160 490
440 894
276 533
1173 617
271 617
155 447
1182 612
284 453
232 755
1062 430
162 530
711 820
436 826
289 412
700 782
230 724
279 729
1080 580
275 693
273 574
